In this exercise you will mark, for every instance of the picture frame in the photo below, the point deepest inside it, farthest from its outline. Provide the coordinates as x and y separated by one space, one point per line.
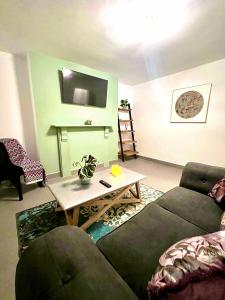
190 104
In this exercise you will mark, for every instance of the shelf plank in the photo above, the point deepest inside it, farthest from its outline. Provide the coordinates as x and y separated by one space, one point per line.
69 125
124 109
127 131
129 153
125 121
127 142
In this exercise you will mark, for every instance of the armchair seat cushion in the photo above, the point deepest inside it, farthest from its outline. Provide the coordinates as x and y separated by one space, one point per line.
196 208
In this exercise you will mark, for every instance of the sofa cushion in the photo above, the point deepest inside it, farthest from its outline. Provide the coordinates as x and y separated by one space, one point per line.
200 177
134 248
194 207
66 264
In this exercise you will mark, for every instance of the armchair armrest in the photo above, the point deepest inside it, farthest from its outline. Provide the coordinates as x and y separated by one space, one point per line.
200 177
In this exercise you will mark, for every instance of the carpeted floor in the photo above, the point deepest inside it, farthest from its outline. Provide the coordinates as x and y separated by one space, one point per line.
36 221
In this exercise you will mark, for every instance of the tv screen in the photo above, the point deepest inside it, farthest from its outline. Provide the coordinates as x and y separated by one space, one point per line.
82 89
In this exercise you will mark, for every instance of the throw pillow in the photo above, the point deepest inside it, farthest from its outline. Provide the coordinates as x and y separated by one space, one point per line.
222 222
188 266
218 192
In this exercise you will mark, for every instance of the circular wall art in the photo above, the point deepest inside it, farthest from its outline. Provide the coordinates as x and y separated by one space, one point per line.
189 104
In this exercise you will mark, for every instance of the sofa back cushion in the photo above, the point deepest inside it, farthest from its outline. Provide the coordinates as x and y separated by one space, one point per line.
200 177
194 207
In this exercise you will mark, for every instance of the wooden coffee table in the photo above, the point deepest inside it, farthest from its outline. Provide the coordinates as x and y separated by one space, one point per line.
70 194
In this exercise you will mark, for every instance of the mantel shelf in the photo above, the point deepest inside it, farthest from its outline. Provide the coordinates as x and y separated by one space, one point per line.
79 125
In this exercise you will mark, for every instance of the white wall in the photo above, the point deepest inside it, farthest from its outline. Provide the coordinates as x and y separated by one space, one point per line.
16 114
26 105
181 142
125 91
10 114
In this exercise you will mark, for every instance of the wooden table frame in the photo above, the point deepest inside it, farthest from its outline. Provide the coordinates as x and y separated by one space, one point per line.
72 215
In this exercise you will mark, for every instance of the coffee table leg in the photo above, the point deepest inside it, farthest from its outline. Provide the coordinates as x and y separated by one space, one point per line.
72 219
69 219
137 195
137 185
76 212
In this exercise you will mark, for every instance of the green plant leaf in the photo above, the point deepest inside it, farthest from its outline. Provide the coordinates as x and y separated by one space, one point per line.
88 169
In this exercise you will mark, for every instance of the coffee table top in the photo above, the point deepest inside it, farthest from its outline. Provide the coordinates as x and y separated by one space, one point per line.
70 193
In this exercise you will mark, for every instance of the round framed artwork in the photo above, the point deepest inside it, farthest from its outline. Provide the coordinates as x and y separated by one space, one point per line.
190 104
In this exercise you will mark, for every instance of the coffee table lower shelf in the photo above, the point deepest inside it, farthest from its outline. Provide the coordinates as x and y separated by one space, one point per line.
72 215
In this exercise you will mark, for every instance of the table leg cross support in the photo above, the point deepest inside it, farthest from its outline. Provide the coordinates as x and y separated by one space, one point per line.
72 216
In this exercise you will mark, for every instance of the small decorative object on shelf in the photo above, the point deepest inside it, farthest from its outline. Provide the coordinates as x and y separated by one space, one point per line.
116 170
87 168
124 103
88 122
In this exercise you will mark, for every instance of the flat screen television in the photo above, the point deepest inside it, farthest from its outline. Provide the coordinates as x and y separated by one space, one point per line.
82 89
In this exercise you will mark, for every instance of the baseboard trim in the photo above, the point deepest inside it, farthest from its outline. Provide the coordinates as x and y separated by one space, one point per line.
53 175
161 162
73 172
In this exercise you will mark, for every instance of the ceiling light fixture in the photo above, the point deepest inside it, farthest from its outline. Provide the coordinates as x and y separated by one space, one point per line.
144 22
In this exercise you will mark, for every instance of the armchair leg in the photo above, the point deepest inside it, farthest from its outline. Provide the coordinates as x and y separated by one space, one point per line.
15 180
40 184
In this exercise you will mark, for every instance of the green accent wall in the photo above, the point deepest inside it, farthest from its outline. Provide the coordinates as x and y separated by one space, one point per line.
50 110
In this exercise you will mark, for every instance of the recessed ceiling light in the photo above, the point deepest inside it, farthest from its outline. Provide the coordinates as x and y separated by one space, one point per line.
144 22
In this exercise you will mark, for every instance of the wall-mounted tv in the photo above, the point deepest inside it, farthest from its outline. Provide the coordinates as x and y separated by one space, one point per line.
82 89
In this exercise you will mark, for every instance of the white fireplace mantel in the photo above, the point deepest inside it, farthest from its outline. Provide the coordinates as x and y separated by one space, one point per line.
62 138
63 128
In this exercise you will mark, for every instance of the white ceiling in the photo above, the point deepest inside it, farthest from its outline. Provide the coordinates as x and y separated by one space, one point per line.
72 29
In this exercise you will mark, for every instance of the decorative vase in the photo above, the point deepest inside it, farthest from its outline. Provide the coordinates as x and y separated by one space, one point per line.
85 180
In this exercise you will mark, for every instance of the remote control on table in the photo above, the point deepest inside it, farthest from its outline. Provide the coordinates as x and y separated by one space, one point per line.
105 183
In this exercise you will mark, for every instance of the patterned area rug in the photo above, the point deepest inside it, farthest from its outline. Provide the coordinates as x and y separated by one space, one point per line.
36 221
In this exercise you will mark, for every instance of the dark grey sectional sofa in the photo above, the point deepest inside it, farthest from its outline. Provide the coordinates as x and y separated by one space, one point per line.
66 264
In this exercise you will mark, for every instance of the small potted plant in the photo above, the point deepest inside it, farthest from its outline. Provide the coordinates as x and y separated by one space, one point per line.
87 168
124 103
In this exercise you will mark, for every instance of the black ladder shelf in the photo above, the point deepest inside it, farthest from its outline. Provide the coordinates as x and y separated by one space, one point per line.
127 128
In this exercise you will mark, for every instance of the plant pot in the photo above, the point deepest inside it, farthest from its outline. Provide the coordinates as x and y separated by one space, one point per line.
85 180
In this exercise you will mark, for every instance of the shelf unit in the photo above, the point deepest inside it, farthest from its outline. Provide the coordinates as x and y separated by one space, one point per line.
129 129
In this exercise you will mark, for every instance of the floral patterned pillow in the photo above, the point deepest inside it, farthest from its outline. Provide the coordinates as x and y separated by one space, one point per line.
218 192
222 222
197 260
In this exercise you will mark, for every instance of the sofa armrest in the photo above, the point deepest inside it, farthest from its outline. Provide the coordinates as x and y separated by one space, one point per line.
200 177
66 264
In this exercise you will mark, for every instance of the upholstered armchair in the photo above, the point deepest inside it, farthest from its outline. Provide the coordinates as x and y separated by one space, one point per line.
14 162
10 172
